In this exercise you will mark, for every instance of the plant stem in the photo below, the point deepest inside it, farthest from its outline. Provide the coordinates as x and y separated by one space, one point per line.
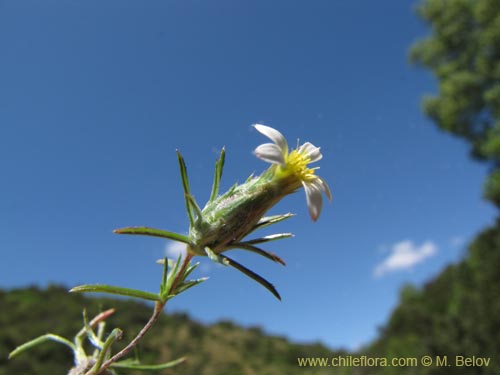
152 320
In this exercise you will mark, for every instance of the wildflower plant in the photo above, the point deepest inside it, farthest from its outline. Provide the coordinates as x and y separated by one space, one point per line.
221 225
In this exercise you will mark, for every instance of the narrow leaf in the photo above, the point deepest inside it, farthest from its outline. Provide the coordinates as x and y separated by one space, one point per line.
164 276
266 284
219 165
188 284
190 269
146 231
272 237
40 340
254 249
194 207
185 186
99 288
268 220
166 290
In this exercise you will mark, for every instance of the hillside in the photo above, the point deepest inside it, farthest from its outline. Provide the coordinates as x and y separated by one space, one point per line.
222 348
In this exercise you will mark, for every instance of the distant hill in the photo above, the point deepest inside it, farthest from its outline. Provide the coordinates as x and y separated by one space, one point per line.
218 349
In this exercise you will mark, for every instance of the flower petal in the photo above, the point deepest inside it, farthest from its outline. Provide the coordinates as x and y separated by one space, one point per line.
271 153
274 136
312 152
324 186
314 199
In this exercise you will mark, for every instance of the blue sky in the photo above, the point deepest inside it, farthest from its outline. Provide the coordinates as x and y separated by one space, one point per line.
96 96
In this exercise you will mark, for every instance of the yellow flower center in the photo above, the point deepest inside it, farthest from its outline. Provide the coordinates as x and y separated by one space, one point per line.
296 165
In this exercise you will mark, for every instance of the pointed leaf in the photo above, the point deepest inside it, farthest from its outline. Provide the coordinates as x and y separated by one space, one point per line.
268 220
166 290
272 237
219 165
194 207
109 289
146 231
190 269
254 249
164 275
188 284
185 186
266 284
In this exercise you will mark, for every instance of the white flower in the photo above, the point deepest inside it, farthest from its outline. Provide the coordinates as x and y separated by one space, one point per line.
294 163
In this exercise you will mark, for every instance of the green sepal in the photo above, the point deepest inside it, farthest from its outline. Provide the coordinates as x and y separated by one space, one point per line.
266 284
109 289
40 340
146 231
135 365
219 165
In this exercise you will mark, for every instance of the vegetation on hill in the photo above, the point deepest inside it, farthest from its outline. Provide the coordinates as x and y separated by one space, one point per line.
222 348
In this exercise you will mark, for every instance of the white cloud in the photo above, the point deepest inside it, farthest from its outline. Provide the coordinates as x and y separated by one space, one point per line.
174 248
404 255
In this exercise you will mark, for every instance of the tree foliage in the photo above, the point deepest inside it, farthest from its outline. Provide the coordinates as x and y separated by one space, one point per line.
463 52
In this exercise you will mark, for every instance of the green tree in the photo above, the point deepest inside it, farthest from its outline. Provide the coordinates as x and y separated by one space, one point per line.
463 52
